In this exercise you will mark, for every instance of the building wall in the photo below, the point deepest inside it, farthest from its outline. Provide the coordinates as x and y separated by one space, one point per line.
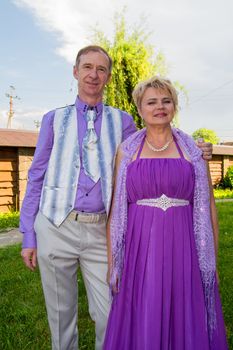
8 179
25 157
14 165
218 167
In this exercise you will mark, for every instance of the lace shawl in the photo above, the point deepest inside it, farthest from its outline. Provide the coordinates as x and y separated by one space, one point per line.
201 217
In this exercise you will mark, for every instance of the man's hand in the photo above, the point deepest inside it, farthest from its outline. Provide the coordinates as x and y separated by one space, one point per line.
207 149
29 257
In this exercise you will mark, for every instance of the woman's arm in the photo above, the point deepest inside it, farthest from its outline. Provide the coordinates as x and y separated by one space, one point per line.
109 245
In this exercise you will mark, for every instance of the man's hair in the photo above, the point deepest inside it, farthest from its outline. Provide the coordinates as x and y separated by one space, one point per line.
94 48
157 83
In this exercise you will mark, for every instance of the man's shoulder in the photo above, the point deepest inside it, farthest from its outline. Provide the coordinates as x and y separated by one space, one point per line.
122 113
51 113
64 107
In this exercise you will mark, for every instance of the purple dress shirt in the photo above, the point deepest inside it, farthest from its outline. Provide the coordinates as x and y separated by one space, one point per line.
88 196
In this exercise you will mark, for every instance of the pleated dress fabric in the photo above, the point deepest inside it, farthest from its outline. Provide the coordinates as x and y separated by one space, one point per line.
160 305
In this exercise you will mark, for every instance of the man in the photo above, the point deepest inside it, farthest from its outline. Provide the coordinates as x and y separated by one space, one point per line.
68 198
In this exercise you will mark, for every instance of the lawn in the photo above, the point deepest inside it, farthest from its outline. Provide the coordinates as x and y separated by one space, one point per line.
23 323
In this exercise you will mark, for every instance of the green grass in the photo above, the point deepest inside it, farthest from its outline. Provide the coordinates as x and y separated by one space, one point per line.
23 322
225 265
8 220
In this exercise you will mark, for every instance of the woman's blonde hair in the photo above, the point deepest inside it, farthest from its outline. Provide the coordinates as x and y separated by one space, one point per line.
157 83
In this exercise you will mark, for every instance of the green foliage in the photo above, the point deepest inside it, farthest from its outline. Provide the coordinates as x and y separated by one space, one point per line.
8 220
221 193
206 134
228 178
134 60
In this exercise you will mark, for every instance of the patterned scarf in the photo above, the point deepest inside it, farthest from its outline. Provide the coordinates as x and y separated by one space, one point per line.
201 217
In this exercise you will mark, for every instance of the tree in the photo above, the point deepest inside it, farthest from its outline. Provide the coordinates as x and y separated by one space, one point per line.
133 61
206 134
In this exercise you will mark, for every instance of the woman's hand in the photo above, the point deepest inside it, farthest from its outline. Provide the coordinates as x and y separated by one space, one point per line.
115 287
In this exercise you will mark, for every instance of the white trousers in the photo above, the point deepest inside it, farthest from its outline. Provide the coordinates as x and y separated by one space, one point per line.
60 252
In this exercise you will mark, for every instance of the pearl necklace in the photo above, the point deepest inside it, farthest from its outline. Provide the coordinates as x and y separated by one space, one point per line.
154 149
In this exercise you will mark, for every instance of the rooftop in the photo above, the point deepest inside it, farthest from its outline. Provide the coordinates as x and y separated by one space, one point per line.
18 138
223 149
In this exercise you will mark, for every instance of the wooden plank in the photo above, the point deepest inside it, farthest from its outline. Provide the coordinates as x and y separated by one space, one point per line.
8 192
7 200
8 184
215 166
216 171
6 176
6 208
215 162
8 165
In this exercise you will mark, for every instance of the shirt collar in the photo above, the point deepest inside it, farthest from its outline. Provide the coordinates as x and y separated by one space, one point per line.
82 106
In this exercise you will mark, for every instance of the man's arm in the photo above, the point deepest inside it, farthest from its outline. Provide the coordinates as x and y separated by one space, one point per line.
129 126
207 149
31 200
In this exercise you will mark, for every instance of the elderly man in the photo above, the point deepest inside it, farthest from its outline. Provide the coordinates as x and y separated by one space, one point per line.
63 216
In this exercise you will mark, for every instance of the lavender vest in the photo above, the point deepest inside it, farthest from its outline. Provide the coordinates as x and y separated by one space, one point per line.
61 178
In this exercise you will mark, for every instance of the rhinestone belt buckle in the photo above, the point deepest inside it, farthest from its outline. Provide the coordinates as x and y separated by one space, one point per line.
163 202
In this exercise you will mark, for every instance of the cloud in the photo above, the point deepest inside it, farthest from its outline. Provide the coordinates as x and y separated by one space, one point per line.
72 21
187 32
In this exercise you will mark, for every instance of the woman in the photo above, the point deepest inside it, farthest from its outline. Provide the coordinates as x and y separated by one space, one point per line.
162 237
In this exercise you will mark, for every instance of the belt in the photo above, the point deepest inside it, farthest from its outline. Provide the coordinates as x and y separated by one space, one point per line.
163 202
90 218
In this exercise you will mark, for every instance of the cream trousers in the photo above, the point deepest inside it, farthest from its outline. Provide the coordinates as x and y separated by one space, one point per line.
60 252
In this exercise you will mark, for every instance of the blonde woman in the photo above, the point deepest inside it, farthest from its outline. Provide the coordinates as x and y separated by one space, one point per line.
162 237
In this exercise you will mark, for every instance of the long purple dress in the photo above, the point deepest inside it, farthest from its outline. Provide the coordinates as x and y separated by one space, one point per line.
160 305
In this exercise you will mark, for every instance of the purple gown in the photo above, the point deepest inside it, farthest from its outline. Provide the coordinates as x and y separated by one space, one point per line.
160 305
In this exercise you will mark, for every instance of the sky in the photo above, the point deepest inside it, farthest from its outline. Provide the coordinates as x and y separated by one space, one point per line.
40 39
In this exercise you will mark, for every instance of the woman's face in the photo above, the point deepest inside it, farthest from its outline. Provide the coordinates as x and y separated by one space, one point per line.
157 107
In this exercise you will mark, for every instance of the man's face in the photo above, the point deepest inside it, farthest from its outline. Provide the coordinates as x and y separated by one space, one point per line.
92 74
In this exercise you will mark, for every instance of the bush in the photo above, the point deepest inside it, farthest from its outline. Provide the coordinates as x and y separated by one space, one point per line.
8 220
228 178
207 134
223 193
